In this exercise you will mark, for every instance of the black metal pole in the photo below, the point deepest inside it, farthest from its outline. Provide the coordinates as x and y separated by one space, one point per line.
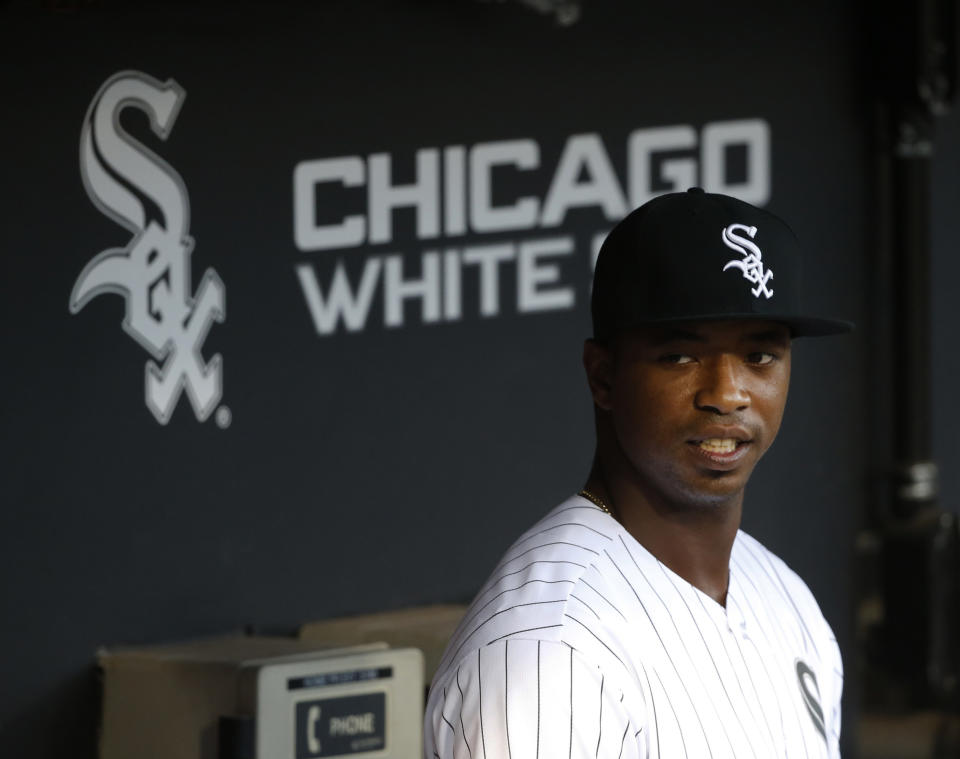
912 520
920 569
916 487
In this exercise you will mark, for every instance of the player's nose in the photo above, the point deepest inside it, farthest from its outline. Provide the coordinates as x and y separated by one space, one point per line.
723 387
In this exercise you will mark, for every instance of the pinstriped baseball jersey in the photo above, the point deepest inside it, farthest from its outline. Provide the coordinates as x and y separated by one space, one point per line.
583 644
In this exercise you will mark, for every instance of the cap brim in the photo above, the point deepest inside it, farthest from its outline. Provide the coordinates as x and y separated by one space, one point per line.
799 326
819 327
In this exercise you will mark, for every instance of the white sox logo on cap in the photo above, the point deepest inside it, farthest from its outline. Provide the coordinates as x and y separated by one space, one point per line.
752 263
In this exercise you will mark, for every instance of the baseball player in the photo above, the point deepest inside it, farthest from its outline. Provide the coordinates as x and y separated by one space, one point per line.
636 619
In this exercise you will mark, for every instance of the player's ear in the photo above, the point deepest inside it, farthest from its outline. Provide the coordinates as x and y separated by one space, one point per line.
598 364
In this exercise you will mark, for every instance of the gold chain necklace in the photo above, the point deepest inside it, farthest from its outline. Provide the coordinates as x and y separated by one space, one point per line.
596 500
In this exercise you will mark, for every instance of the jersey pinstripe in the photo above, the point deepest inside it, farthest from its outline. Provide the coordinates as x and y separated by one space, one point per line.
583 644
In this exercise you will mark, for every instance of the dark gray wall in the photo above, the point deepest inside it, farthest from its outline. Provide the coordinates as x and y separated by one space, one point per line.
373 470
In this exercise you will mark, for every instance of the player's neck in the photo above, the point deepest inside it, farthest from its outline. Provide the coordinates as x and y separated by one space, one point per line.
693 541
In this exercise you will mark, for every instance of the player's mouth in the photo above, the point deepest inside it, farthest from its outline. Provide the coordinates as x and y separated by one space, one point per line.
722 452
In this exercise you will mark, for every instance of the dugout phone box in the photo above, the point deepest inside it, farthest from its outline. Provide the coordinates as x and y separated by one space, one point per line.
302 702
367 703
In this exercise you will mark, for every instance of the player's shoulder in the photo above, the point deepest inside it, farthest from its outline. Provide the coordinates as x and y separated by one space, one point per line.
752 552
575 530
527 593
767 574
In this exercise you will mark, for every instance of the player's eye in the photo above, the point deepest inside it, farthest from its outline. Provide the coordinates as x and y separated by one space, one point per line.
761 358
676 358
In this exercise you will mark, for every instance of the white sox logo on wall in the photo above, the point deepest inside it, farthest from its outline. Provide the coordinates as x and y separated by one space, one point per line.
140 191
752 264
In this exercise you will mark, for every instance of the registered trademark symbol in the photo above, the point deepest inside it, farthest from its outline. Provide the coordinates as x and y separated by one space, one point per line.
223 417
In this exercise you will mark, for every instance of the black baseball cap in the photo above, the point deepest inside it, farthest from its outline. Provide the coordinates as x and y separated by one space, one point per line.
698 256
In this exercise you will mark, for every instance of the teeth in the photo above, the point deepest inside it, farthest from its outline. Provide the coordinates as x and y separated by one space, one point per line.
719 445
